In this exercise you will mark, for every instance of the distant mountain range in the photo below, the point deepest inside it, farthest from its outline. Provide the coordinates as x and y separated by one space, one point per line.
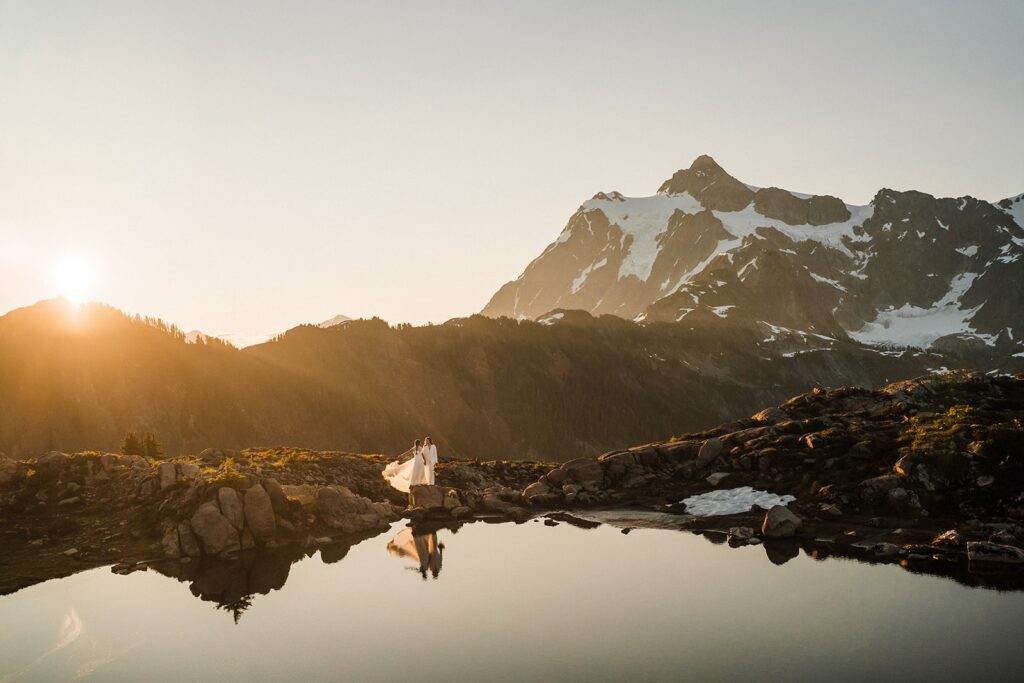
241 342
906 270
567 386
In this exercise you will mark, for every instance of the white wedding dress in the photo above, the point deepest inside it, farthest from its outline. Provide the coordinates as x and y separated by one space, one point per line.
412 472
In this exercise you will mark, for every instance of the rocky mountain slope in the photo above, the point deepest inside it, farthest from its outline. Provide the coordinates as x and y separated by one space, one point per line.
568 386
906 270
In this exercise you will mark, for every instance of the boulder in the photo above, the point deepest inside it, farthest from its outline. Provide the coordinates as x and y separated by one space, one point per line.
51 462
108 461
167 474
305 494
215 532
949 539
187 541
11 471
770 415
994 553
259 514
492 503
278 498
452 499
717 478
341 509
231 506
779 522
188 470
556 478
905 465
248 542
587 472
170 544
426 496
679 451
830 510
709 450
877 487
213 457
740 535
535 489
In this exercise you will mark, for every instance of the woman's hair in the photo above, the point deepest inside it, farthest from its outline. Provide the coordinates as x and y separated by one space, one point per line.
427 440
416 444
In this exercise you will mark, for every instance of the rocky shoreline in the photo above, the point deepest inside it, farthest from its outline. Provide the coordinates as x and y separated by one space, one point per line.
928 473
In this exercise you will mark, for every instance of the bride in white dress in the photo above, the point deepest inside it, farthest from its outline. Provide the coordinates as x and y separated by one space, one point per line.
412 472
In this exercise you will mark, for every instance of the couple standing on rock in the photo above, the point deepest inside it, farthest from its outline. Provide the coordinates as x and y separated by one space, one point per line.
417 470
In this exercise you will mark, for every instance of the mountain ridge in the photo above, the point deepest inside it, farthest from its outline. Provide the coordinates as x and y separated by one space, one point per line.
905 260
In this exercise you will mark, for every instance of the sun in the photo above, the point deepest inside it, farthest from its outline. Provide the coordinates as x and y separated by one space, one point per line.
72 278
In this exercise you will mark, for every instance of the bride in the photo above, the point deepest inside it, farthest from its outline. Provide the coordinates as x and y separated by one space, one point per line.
412 472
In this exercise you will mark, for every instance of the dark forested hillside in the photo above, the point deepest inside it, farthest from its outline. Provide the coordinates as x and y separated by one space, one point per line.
571 385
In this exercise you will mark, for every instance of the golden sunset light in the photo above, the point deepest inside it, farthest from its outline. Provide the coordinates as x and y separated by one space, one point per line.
511 340
72 277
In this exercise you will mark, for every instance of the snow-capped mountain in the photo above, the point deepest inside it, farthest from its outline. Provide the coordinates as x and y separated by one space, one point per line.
908 269
336 320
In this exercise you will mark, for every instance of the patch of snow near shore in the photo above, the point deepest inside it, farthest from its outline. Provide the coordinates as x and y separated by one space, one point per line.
732 501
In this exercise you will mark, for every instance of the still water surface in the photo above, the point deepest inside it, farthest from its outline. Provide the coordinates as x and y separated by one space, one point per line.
524 602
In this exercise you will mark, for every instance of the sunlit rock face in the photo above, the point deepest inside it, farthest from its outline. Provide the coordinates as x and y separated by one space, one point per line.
905 270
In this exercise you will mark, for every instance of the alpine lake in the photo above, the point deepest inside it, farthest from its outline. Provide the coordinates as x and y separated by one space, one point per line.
538 601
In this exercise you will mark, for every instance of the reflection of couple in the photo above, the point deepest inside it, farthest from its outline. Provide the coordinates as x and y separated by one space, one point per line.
419 469
423 549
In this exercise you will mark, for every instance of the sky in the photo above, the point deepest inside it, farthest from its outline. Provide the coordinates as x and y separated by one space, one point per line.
244 167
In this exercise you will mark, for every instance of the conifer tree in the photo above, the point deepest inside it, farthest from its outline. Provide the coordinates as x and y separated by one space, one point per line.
131 444
151 447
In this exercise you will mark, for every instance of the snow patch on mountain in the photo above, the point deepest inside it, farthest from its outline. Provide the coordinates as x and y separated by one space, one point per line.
578 282
920 327
644 219
336 320
1016 208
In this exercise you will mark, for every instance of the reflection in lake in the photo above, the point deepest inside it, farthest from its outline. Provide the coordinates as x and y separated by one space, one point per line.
521 602
422 548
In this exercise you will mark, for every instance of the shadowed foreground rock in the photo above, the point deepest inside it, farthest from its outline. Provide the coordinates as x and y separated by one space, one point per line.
926 472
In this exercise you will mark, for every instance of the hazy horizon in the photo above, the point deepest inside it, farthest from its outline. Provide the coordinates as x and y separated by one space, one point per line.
246 167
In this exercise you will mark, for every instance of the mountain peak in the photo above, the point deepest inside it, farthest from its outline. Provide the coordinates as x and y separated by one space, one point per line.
335 321
709 183
706 163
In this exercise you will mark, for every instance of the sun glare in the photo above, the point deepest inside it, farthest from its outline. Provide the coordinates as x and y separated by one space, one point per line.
72 277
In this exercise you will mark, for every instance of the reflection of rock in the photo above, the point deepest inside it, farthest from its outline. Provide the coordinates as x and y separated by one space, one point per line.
781 551
232 583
